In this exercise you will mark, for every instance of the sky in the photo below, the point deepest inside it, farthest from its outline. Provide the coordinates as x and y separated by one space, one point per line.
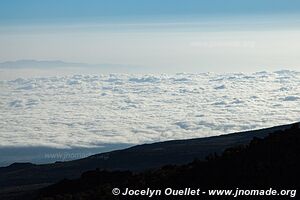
159 36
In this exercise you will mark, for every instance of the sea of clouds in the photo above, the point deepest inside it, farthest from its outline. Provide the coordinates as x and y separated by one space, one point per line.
87 111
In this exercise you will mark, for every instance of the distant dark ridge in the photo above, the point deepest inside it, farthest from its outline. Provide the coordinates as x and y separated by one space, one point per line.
272 162
138 158
45 155
19 165
19 64
56 64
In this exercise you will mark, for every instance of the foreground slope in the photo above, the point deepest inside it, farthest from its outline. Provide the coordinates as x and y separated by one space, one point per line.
272 162
136 158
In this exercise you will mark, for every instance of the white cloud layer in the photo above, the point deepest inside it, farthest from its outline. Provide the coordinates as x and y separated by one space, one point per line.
88 111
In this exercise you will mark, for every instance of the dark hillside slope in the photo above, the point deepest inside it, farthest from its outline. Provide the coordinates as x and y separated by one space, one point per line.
272 162
136 158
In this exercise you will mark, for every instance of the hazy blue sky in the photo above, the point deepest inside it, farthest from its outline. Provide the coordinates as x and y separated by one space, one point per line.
166 35
80 10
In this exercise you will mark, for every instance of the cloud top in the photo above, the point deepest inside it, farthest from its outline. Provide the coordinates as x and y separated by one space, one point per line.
88 111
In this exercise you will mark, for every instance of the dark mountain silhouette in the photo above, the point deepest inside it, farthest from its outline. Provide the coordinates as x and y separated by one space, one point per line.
272 162
26 176
136 158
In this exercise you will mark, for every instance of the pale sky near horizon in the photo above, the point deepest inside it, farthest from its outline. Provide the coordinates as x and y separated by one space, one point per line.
175 36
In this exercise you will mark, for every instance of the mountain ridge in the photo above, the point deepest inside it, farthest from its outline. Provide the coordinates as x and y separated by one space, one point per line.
137 158
270 163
